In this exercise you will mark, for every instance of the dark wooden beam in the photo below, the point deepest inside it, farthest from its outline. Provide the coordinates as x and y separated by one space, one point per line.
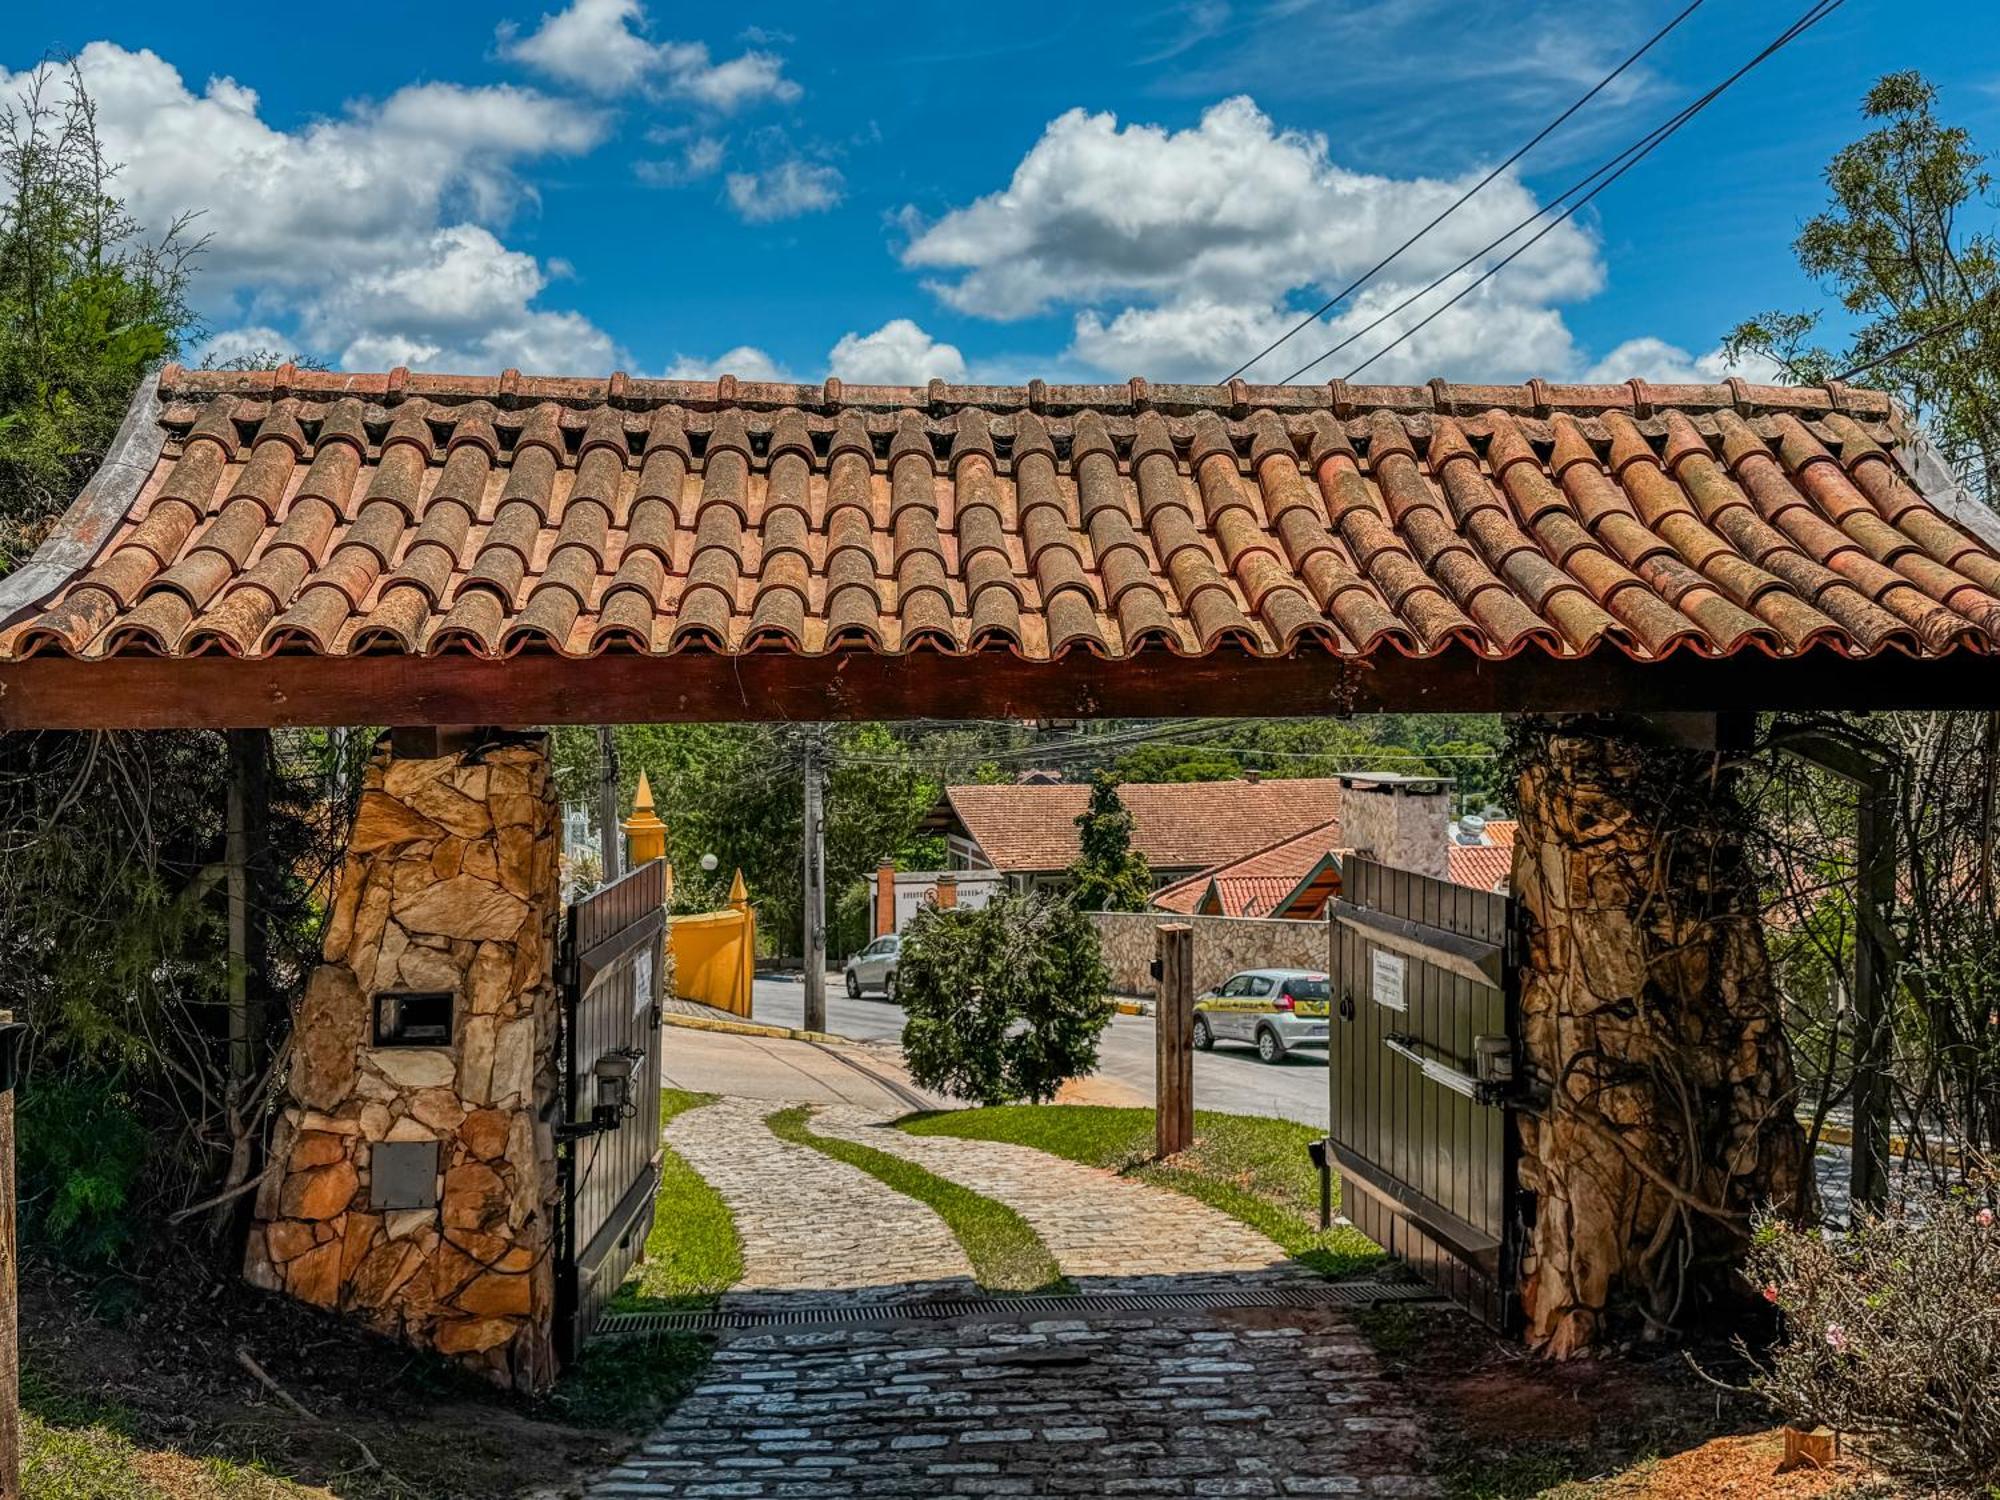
222 692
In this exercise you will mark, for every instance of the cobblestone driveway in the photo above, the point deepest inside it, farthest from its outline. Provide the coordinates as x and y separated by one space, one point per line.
1251 1403
1098 1226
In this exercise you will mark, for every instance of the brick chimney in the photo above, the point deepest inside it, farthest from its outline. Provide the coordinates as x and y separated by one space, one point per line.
1398 820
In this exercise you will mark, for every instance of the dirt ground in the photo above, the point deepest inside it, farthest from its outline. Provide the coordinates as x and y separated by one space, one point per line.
155 1361
1638 1425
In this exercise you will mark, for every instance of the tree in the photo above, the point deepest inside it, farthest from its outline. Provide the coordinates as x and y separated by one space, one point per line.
1005 1001
1922 283
87 303
1907 244
1109 874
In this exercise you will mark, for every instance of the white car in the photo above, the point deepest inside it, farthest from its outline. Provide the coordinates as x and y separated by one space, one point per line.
874 968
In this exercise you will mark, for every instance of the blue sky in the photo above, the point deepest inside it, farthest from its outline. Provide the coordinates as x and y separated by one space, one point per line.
893 192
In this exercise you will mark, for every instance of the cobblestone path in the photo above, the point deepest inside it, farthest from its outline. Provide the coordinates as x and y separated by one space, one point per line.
1262 1402
1098 1226
808 1222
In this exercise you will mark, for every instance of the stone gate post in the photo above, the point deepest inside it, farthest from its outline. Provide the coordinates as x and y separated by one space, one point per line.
414 1176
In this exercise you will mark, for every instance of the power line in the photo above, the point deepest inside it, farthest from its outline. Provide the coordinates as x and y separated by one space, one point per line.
1543 134
1615 167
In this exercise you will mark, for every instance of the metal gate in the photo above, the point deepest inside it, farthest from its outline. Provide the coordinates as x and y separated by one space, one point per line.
1423 1055
609 1130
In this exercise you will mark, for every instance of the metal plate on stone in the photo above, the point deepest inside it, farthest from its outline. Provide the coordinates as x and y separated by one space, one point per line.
403 1174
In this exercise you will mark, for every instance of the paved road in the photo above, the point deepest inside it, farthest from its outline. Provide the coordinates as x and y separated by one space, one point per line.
1229 1079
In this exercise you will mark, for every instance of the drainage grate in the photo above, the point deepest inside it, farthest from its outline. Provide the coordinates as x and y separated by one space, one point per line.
938 1310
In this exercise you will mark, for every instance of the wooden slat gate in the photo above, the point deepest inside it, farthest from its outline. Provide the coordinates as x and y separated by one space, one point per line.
1423 1054
609 1156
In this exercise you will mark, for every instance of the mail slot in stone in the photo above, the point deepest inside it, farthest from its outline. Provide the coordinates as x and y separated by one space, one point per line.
403 1174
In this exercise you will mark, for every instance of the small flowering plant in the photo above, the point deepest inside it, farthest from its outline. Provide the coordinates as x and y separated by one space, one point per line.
1891 1333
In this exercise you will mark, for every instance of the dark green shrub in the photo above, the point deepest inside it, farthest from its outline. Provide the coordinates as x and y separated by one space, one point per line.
1004 1002
82 1147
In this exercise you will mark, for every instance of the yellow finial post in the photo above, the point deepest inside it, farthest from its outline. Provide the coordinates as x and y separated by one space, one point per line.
739 893
645 834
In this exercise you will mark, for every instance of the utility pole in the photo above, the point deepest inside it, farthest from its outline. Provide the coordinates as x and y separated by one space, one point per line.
607 802
815 887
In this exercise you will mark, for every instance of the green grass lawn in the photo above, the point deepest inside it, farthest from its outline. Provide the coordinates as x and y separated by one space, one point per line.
1252 1169
692 1253
693 1256
1006 1255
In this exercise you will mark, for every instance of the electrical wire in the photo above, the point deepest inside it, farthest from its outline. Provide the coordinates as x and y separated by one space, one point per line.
1950 326
1609 172
1541 135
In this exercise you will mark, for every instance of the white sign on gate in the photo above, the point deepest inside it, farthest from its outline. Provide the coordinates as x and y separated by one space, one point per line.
1387 979
642 980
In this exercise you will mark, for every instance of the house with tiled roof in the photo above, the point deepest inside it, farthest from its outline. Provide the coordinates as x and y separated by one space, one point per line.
1294 877
1029 832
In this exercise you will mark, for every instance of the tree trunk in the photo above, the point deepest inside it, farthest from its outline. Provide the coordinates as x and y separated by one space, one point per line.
1651 1027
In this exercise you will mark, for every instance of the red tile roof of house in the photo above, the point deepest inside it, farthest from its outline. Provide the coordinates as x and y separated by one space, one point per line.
1483 866
1254 885
260 513
1176 825
1501 831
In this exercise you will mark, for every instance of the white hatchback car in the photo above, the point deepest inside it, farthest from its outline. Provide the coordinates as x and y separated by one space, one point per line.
874 968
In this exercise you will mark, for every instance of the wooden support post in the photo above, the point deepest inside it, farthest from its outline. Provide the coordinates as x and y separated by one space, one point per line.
10 1347
247 854
1874 977
813 888
1173 1030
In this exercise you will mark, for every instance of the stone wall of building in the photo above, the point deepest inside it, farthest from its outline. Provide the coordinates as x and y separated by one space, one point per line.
1222 945
450 885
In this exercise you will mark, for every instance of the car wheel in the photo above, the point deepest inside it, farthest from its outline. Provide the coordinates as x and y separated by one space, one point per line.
889 987
1204 1039
853 985
1268 1046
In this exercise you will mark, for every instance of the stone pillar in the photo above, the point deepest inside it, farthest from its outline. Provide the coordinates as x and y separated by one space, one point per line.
885 899
1404 821
450 890
1651 1029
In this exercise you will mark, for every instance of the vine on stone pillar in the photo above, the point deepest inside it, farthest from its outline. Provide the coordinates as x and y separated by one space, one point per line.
1651 1035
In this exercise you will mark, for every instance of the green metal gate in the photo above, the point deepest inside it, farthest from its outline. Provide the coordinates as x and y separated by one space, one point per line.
1423 1055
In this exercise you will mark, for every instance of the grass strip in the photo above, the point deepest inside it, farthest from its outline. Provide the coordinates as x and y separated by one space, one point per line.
693 1254
1006 1255
1253 1169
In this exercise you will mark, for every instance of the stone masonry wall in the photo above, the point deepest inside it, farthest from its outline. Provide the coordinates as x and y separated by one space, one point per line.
450 884
1222 945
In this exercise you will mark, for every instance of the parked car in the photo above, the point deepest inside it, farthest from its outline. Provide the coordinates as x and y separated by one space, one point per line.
874 968
1274 1010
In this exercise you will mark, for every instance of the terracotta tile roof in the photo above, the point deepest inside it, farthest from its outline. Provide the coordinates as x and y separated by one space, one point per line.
1176 825
330 514
1501 831
1255 884
1484 866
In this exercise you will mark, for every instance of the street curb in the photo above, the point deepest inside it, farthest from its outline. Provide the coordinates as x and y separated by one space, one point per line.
754 1028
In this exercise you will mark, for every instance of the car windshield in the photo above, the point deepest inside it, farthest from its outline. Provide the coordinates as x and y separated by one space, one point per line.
1311 987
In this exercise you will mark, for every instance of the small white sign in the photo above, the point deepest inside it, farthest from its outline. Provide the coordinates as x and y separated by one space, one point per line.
1387 980
642 981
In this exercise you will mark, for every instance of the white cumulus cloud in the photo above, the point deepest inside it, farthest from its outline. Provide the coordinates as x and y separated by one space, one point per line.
745 362
786 191
601 46
372 233
1180 253
897 353
1657 360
